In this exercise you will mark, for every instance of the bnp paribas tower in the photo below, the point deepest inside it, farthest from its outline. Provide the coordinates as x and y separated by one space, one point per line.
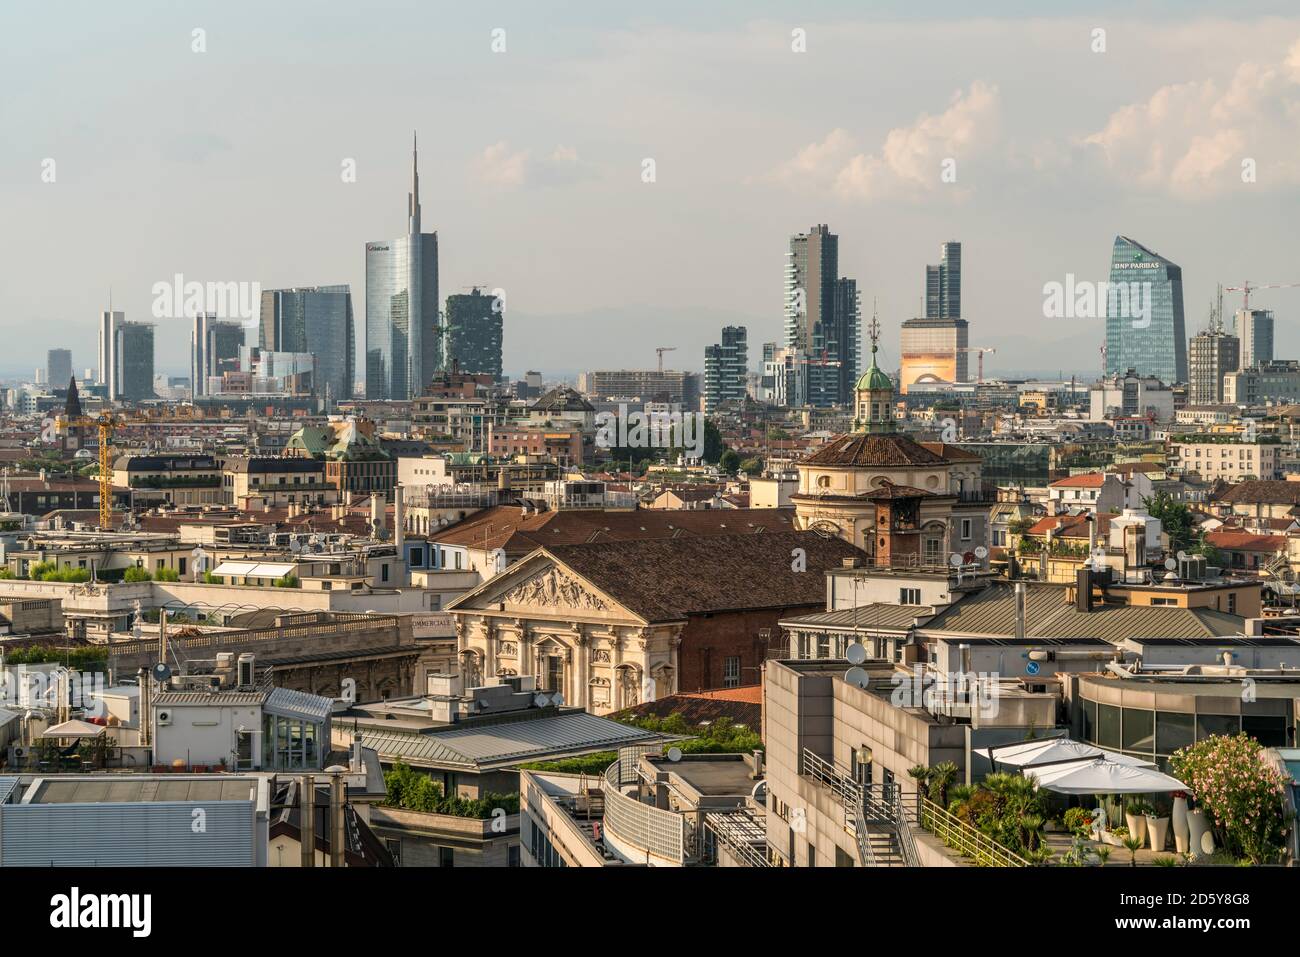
1144 314
403 334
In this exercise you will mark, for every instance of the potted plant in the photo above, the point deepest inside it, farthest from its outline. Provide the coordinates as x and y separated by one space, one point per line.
1157 829
1199 836
1115 836
1133 844
1182 833
1135 819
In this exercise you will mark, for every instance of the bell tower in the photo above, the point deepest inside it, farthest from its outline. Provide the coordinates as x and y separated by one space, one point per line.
874 394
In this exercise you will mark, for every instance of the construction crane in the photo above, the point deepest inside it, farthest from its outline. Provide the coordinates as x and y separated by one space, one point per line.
1247 287
979 350
104 423
660 352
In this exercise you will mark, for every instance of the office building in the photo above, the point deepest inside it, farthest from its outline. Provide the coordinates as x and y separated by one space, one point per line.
784 380
474 325
943 284
214 350
58 368
1212 355
648 385
822 316
403 333
316 320
1144 314
1255 330
126 358
933 351
1277 381
1129 394
726 368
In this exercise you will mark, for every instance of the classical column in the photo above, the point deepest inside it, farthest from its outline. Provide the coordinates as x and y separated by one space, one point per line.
581 698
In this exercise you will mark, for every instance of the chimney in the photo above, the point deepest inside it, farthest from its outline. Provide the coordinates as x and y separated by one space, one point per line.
1092 534
399 521
307 820
1083 589
378 511
336 821
1020 610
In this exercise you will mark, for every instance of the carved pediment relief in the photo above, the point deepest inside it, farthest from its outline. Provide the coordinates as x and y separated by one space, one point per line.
554 589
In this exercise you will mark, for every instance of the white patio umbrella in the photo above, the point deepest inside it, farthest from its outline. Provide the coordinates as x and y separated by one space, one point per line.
75 729
1103 776
1054 751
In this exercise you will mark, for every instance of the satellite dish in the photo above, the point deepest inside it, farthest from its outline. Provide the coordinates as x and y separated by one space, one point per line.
856 653
955 559
674 754
1171 563
161 672
981 551
557 699
857 677
541 700
1182 556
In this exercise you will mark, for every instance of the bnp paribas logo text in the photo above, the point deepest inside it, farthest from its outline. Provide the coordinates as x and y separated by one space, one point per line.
179 299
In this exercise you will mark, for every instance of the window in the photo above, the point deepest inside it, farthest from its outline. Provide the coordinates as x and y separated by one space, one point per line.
512 856
1139 730
446 857
966 524
731 672
1174 730
383 574
1108 721
1164 601
1232 603
909 596
1208 724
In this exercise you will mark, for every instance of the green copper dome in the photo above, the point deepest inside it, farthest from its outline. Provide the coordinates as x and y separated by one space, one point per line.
874 380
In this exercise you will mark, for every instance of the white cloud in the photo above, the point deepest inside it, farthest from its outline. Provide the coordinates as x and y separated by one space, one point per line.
909 162
1191 138
500 166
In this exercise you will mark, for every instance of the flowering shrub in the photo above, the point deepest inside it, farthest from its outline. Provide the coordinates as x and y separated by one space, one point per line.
1242 796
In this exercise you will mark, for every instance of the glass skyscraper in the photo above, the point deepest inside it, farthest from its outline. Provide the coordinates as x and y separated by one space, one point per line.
403 334
943 284
1144 314
318 320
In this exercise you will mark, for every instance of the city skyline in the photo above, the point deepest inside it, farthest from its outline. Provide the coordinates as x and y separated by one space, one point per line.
495 187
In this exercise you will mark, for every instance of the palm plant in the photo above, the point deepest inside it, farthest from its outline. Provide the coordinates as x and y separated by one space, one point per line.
1134 844
938 780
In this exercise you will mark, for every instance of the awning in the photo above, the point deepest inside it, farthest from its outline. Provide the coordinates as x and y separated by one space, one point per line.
75 729
1054 751
254 569
1102 776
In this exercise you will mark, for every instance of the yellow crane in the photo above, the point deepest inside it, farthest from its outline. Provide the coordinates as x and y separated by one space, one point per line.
104 423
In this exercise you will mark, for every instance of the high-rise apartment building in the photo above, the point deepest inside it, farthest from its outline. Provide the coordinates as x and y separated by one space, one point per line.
58 368
1211 356
316 320
108 321
1144 314
474 330
649 385
822 316
214 349
943 284
403 332
1255 330
726 368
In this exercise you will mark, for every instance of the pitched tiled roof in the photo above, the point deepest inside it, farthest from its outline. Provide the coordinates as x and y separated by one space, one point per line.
865 449
1262 492
1090 480
667 579
992 612
951 453
741 705
1072 526
506 527
1241 541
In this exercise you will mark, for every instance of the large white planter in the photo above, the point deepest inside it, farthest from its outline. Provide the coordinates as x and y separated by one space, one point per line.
1182 834
1201 838
1137 826
1158 829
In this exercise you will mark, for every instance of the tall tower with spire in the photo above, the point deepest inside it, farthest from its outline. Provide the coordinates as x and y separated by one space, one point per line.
874 393
404 335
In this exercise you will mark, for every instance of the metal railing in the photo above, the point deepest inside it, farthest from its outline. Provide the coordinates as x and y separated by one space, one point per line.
644 827
966 840
880 805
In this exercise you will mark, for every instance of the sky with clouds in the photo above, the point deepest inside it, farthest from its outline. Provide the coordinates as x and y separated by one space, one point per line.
225 165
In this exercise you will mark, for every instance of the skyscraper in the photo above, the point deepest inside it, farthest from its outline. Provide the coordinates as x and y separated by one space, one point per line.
822 317
132 376
943 284
316 320
1144 314
58 368
403 336
933 350
214 348
1212 355
107 324
1255 330
474 324
726 368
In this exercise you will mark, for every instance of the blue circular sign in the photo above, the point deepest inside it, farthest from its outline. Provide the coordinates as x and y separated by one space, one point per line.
1031 668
